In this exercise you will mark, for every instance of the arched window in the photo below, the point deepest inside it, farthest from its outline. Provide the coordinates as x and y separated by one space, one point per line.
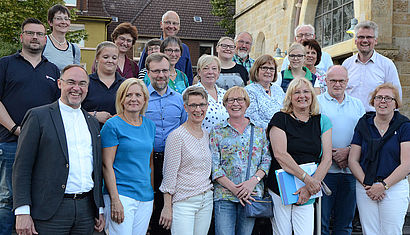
332 20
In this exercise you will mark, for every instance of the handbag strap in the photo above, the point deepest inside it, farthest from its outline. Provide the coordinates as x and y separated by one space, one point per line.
250 152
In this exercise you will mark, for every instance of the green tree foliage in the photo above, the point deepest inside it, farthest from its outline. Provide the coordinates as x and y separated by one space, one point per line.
226 10
14 12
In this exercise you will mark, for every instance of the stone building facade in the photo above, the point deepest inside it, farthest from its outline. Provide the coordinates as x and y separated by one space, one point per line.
272 24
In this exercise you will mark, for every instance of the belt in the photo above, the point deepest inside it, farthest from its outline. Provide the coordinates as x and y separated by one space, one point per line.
77 195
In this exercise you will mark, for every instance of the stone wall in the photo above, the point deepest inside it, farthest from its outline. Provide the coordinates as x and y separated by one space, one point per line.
271 23
401 39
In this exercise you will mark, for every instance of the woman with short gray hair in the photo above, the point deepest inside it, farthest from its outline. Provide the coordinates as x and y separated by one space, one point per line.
186 184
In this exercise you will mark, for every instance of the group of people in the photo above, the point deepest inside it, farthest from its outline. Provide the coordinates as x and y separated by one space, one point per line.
135 148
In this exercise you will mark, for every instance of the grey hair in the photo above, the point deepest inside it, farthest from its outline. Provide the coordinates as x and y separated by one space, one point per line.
303 25
367 24
239 34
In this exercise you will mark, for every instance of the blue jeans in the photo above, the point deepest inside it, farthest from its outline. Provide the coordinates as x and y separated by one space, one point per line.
342 203
230 219
7 152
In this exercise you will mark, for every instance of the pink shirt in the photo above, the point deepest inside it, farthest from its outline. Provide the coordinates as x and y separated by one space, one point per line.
187 165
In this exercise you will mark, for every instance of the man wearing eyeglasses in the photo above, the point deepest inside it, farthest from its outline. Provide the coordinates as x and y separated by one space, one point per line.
166 110
368 69
303 33
27 80
243 45
170 25
57 174
344 112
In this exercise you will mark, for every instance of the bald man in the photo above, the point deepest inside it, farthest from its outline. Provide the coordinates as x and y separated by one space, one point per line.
344 112
170 25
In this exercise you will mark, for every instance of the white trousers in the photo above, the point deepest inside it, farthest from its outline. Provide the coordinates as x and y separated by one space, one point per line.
385 217
193 215
286 219
136 216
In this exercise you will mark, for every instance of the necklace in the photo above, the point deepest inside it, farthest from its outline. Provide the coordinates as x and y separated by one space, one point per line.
138 123
55 39
379 128
297 119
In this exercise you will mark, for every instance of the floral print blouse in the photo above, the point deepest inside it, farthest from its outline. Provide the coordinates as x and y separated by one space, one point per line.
320 81
263 106
230 151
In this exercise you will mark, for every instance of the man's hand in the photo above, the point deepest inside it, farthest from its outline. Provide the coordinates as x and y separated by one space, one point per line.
340 156
25 225
99 223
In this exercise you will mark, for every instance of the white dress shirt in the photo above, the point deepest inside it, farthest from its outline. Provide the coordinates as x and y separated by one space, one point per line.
365 77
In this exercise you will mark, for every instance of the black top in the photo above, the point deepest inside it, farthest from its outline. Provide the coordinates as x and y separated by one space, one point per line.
100 97
235 76
23 87
303 142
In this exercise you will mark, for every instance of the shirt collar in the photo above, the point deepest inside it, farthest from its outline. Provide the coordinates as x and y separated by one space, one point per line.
152 91
18 55
66 108
372 59
287 74
118 77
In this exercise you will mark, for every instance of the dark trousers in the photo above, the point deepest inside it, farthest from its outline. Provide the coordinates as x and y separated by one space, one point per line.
74 216
156 229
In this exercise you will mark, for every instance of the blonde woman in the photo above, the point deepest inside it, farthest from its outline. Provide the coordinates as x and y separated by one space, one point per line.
128 141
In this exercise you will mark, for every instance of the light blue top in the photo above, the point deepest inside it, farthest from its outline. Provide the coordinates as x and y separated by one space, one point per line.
230 151
167 112
132 159
62 58
344 117
179 84
263 106
325 62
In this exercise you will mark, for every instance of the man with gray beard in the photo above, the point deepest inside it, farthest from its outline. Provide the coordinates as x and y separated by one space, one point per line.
243 45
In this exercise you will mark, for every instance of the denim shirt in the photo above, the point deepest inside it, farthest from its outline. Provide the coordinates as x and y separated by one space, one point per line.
230 151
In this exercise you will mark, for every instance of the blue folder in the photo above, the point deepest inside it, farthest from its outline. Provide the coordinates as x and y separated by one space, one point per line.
289 184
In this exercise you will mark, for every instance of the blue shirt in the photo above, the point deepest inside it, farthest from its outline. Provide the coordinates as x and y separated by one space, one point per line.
23 87
100 97
344 117
132 158
263 106
167 112
389 155
184 63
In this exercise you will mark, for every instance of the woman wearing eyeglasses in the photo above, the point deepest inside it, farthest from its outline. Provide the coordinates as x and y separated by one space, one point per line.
296 67
104 83
232 74
58 50
172 47
230 145
124 36
379 159
266 97
186 184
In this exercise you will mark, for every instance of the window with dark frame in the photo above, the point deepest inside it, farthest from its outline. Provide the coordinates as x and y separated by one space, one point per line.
332 19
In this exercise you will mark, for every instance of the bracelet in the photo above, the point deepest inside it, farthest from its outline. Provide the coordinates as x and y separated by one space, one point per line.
304 176
12 130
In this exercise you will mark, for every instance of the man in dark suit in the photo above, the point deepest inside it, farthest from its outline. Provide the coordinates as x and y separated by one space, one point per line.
57 174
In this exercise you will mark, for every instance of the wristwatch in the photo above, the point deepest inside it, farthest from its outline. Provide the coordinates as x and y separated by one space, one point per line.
385 185
258 178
